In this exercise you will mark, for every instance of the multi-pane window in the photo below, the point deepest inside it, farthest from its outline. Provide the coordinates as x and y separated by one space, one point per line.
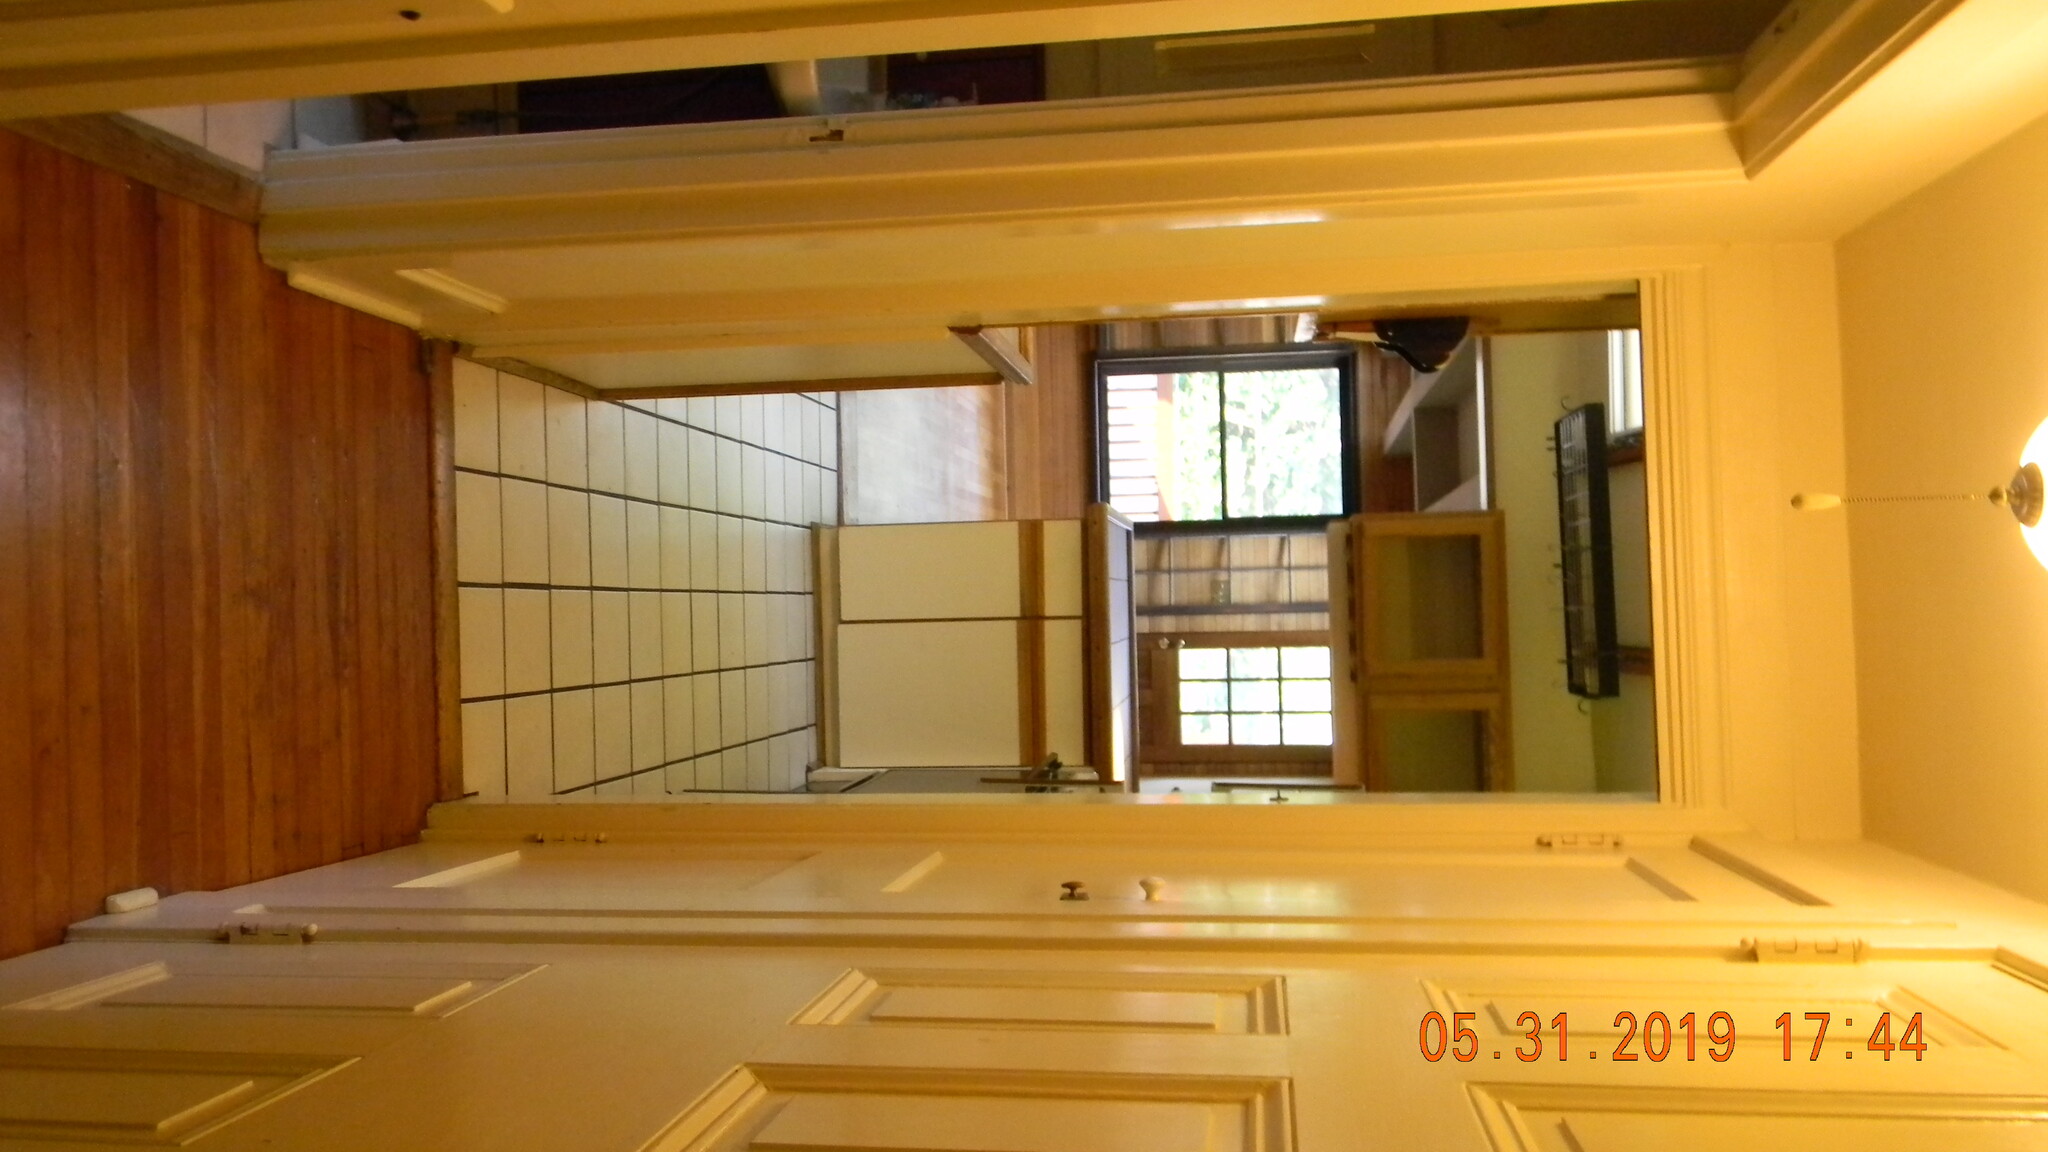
1255 696
1225 437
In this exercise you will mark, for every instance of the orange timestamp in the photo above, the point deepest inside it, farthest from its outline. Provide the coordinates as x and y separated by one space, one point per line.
1657 1037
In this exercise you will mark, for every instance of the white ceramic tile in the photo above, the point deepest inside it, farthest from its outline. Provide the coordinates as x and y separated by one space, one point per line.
757 768
751 424
483 747
728 416
675 633
612 789
795 477
650 784
760 704
771 487
571 622
568 439
774 611
643 468
793 423
476 416
703 469
702 412
680 776
753 482
828 443
709 774
649 718
707 730
568 538
811 419
732 629
732 708
703 631
644 405
756 610
522 427
703 550
529 651
611 633
733 769
727 488
673 468
575 739
481 623
479 540
643 611
731 553
673 407
614 735
643 545
529 747
675 548
524 513
608 542
803 627
679 704
607 447
754 556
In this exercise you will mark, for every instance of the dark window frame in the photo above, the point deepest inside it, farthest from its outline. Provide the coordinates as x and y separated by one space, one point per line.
1267 358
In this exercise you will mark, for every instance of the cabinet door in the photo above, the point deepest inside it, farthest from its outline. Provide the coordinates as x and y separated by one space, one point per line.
1431 600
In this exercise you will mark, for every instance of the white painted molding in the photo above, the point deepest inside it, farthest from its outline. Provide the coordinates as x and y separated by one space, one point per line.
349 296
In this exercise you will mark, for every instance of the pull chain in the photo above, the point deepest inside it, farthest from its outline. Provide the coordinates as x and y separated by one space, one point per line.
1821 501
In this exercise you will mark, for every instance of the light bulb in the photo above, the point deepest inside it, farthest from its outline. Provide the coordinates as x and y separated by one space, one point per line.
2036 455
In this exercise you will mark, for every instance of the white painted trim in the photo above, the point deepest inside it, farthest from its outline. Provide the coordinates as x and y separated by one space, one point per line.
350 296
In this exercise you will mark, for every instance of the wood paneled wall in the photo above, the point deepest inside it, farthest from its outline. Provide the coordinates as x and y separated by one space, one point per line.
217 595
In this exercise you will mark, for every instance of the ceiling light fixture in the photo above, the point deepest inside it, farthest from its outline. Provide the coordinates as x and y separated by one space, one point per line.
2025 496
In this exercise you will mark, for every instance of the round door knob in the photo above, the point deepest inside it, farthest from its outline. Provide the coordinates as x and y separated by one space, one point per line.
1154 888
1076 890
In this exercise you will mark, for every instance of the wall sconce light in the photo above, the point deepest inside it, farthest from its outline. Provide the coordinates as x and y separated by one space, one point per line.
2025 496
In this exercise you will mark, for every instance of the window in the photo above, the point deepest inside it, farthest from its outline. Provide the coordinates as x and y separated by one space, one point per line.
1624 382
1254 696
1245 436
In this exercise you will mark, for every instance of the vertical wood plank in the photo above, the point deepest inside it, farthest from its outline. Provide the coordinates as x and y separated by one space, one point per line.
42 261
119 671
17 786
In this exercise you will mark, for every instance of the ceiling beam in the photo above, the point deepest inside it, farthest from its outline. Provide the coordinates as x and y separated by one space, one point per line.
1001 348
569 383
59 57
149 155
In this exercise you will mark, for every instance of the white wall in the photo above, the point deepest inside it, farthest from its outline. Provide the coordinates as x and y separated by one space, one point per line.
636 610
1534 379
1945 347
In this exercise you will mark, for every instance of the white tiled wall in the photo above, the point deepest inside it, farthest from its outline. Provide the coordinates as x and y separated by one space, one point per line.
636 607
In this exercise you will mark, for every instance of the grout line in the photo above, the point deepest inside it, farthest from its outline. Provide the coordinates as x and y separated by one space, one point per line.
501 476
638 680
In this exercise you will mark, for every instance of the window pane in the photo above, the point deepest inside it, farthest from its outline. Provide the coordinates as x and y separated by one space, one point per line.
1193 472
1306 695
1204 729
1254 729
1305 663
1254 696
1204 696
1202 663
1307 727
1283 443
1252 663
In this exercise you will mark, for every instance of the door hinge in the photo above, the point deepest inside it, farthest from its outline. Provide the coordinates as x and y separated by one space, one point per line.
275 932
1579 841
1801 950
